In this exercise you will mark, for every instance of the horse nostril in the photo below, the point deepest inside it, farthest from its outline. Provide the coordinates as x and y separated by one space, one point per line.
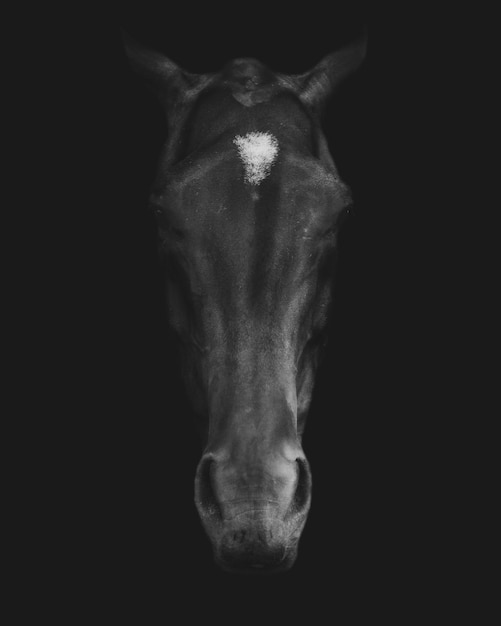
204 492
302 496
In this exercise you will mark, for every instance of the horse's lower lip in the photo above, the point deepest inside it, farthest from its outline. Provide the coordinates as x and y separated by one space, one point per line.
258 568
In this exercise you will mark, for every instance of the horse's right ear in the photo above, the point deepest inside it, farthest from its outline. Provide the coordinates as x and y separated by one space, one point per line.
167 80
316 86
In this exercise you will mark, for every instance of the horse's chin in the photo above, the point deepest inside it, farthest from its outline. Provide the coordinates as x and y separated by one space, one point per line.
256 545
257 568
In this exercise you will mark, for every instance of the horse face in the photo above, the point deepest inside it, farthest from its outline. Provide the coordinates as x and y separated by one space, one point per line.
248 200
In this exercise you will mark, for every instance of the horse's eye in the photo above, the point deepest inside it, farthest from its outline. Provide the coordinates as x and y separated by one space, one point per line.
329 234
165 224
175 233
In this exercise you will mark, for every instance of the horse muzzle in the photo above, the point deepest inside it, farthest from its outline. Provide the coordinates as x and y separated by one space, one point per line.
253 513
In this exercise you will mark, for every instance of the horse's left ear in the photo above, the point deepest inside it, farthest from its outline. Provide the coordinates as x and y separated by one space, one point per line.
319 83
170 83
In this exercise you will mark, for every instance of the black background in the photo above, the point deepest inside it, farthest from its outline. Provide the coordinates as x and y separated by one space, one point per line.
379 537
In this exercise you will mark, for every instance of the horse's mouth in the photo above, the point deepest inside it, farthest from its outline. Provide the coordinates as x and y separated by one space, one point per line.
256 542
252 564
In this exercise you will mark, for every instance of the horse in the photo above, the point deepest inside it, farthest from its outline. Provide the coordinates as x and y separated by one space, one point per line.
248 202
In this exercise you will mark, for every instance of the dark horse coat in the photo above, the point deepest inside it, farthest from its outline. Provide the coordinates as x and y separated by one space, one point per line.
248 201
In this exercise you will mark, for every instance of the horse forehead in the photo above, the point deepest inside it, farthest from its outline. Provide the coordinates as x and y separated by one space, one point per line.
258 152
250 176
257 172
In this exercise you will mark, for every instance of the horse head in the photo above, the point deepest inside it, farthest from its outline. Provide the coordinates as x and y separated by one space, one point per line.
248 201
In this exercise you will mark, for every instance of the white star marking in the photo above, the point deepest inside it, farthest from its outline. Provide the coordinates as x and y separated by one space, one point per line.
258 152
